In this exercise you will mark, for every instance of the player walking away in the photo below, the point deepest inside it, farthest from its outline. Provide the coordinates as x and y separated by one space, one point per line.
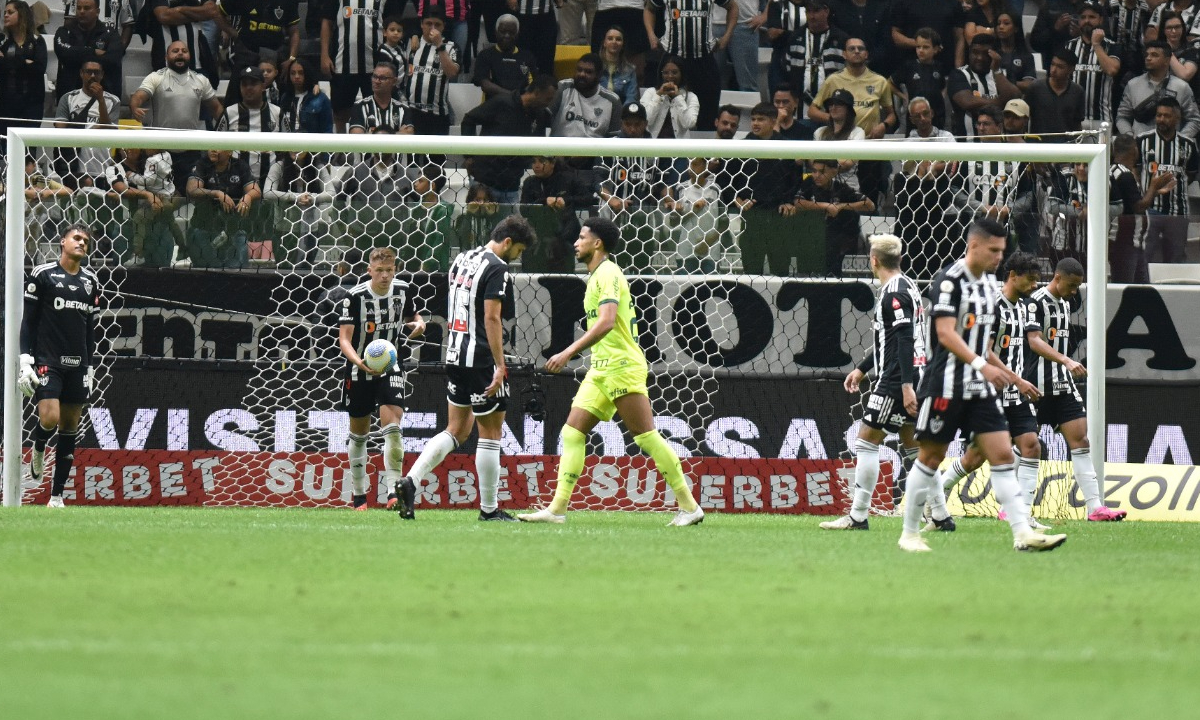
1022 273
57 343
615 382
476 375
901 332
958 390
380 309
1054 373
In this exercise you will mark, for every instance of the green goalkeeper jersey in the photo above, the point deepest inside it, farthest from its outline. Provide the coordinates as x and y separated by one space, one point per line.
619 348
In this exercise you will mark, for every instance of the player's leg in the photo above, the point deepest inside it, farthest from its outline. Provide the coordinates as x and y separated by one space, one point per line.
487 465
458 429
1029 464
356 450
1074 431
580 422
64 453
921 482
634 409
392 476
866 474
996 447
47 423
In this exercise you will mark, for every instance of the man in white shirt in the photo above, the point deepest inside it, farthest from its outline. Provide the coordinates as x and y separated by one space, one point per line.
88 107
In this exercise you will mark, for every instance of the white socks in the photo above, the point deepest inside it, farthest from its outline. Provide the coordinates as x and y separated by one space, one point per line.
436 450
920 482
866 474
487 465
357 450
1008 493
393 457
1027 478
1085 476
954 474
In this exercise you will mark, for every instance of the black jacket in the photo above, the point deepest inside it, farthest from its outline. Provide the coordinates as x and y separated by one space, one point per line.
503 115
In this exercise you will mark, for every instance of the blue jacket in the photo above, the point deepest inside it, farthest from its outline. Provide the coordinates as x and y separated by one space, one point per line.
315 116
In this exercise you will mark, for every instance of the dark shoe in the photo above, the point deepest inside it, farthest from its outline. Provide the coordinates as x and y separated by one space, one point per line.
406 490
496 515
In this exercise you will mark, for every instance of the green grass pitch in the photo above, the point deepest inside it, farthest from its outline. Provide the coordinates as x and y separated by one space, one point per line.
222 613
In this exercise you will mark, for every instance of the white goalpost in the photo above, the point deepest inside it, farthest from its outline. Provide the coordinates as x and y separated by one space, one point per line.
24 141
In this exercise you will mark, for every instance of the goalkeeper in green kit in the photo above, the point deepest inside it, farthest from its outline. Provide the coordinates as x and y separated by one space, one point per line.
615 382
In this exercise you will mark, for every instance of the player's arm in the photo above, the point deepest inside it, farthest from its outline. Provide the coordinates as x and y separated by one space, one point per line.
494 329
902 312
606 320
855 378
1038 344
1024 387
945 326
345 337
27 378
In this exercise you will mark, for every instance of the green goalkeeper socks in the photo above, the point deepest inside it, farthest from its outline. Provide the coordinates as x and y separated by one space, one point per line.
570 465
668 464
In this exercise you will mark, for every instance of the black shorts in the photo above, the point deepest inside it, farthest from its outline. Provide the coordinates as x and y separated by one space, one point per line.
940 418
1021 419
1057 410
886 412
345 89
360 398
465 387
68 386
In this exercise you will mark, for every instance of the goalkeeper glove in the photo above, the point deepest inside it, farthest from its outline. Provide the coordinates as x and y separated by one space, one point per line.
27 379
89 380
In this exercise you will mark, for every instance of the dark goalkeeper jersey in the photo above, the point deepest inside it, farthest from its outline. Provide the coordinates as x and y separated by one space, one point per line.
59 322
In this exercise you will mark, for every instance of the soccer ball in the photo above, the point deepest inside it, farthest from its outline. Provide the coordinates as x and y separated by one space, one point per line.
380 355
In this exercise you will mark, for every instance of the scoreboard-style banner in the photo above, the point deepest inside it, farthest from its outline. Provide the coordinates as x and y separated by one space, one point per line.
734 325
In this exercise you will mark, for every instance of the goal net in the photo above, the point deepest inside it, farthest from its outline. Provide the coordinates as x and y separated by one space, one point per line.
219 376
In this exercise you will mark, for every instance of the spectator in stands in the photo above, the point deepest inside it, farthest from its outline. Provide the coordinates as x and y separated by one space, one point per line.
1184 53
840 125
355 27
268 62
768 190
1016 122
561 192
375 191
981 18
618 74
581 108
841 204
88 107
1056 104
118 15
1127 27
393 50
741 54
258 25
978 84
303 107
986 188
539 29
381 107
1184 8
1127 240
183 22
688 37
922 192
1136 114
671 109
630 188
143 177
87 39
871 21
626 16
814 52
22 68
176 95
787 125
873 107
514 114
1057 22
694 209
920 117
428 241
945 17
223 193
923 75
575 20
434 63
1166 150
299 189
504 67
252 114
1098 63
1015 59
479 217
784 18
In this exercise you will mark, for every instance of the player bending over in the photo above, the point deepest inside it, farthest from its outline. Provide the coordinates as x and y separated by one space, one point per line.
476 376
958 390
379 309
901 330
615 382
57 343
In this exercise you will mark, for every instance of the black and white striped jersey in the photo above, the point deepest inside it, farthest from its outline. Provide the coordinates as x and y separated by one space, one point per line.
1187 15
812 57
1177 155
964 78
358 31
1052 317
375 317
425 84
476 276
190 34
899 312
971 301
1127 25
58 326
688 26
534 7
1130 226
1097 86
988 182
113 13
367 114
1012 321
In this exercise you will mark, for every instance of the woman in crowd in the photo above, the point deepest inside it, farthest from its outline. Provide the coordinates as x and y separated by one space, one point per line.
840 126
671 109
1015 58
22 68
145 178
618 75
981 18
1183 53
303 107
481 213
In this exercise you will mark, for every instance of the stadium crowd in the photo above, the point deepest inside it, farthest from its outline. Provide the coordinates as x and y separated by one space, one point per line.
934 70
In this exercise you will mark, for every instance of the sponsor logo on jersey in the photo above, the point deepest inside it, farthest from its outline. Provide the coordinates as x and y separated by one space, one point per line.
64 304
350 12
70 360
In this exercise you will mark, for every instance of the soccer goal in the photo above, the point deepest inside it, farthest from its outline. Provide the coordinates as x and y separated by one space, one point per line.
219 376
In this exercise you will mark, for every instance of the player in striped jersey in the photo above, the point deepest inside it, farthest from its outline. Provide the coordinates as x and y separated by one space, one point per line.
1098 66
1164 151
1022 272
476 374
1054 372
355 27
615 382
959 388
901 331
381 308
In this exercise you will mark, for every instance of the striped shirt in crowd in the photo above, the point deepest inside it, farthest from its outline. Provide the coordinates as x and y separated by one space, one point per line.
191 34
971 301
1127 25
964 78
987 182
1097 86
1188 15
1051 317
425 85
1177 155
116 14
812 57
367 114
1130 226
357 30
688 28
534 7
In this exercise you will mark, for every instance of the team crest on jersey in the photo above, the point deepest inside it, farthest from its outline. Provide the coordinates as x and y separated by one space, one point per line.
1032 307
32 288
598 111
947 286
235 179
278 13
936 425
895 303
87 286
870 89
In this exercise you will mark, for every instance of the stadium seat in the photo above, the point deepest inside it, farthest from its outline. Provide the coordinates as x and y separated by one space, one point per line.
744 100
1174 273
565 57
463 97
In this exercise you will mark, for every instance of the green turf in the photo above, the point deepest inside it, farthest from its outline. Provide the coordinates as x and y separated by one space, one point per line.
216 613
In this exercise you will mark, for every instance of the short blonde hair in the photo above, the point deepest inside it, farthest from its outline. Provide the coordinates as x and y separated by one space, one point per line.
382 254
887 249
